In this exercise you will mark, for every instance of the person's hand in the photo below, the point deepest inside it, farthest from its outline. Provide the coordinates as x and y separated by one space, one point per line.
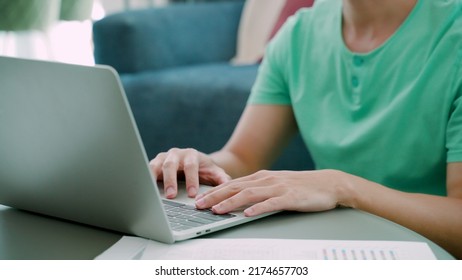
268 191
196 167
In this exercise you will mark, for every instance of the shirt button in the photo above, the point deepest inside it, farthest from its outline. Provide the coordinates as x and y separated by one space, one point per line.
358 61
355 81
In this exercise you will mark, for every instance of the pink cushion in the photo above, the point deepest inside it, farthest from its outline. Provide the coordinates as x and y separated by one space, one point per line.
256 23
289 9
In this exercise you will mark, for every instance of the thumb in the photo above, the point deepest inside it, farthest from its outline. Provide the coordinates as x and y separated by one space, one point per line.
215 177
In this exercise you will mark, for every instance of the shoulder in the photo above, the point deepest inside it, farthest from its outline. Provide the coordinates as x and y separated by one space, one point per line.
445 15
449 32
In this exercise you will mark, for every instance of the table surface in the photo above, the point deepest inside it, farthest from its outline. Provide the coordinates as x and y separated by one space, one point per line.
29 236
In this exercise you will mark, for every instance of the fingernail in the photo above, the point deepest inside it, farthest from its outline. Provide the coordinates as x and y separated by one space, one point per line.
200 203
217 209
169 192
192 191
249 212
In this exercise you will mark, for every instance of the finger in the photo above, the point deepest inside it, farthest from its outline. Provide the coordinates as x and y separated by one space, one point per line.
249 195
221 177
170 170
268 205
201 203
213 176
215 196
156 165
225 182
191 171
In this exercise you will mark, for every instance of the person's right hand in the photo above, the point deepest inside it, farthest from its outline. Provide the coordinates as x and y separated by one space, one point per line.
197 168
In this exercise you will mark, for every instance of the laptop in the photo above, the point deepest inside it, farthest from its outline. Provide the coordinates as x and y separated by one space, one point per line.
70 148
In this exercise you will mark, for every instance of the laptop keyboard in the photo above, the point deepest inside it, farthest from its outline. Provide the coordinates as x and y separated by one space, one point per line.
182 216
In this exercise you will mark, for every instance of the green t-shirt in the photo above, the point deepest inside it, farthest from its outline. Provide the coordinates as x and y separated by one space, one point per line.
393 115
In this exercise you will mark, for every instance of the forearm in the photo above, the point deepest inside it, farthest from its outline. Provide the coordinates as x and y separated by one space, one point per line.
233 165
437 218
261 134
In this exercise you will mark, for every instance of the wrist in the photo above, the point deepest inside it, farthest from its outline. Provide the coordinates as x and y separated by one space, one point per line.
347 189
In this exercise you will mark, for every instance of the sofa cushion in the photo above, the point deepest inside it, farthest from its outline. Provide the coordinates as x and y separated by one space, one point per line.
167 37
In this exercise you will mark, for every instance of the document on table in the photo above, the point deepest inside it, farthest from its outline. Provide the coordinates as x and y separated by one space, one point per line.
267 249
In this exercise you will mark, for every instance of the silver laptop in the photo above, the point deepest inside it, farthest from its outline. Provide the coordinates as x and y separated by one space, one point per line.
70 148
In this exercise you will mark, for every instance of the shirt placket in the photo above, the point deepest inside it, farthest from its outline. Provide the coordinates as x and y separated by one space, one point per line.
357 77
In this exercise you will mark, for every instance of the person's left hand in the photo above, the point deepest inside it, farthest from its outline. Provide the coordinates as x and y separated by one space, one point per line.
267 191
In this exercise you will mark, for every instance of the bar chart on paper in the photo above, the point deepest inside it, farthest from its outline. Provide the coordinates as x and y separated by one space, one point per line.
360 254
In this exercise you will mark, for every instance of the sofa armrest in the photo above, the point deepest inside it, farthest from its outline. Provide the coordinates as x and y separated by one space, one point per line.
175 35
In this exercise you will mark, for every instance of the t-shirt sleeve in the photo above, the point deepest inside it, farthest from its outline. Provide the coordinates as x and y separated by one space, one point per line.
454 130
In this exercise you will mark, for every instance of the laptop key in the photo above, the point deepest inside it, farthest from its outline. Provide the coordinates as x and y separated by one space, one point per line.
182 216
200 220
214 217
172 203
